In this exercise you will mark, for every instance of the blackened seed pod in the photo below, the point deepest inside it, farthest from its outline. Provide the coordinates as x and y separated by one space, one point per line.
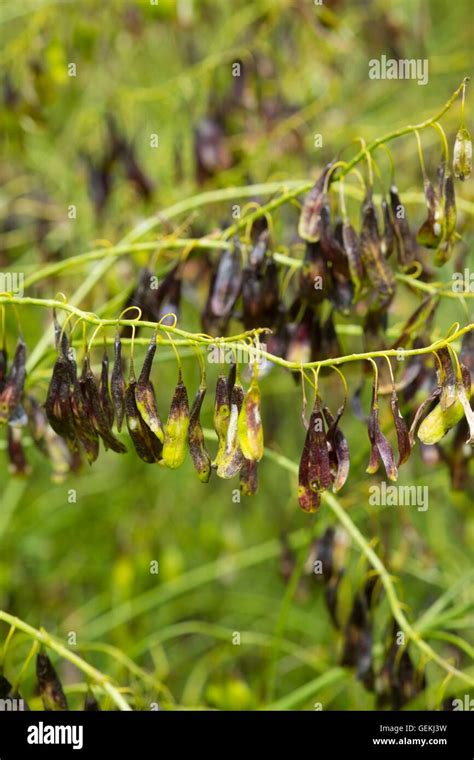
58 406
176 427
232 458
406 245
319 468
462 155
48 442
10 397
228 281
249 478
358 642
380 450
339 447
83 420
352 249
250 429
18 464
91 394
388 236
49 685
377 268
401 427
309 225
104 391
308 499
145 395
147 446
90 703
431 231
221 416
197 446
117 385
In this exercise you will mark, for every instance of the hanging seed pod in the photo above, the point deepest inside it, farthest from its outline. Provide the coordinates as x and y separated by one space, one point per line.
232 459
398 681
388 236
358 642
221 416
166 299
145 395
228 281
313 277
49 685
49 443
104 392
196 443
341 293
257 256
100 423
83 419
308 499
117 385
443 254
352 249
249 478
319 467
462 155
444 417
250 429
176 428
377 268
339 448
380 451
10 398
406 245
58 405
431 231
299 345
90 703
403 435
147 445
309 226
18 464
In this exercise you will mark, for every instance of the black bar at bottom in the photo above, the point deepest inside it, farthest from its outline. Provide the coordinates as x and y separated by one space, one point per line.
136 734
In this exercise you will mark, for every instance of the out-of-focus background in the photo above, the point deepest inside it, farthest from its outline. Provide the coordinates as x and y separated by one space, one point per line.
80 81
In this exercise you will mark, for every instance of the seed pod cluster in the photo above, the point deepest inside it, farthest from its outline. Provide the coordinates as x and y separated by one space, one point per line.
396 681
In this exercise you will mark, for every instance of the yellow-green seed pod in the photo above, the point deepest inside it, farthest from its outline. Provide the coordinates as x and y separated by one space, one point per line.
462 155
435 426
176 428
250 430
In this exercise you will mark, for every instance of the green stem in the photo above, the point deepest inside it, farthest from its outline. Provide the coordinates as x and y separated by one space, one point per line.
236 342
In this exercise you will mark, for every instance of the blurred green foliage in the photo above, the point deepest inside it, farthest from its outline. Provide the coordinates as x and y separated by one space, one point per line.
85 566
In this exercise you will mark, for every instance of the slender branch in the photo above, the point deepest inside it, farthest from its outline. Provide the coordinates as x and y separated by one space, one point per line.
385 578
235 342
51 643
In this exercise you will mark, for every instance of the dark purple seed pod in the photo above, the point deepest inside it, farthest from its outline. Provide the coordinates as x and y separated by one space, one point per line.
58 404
309 226
147 445
228 282
17 462
100 423
358 642
319 468
117 385
49 685
406 245
339 448
376 267
352 250
403 435
249 477
11 395
104 391
380 451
